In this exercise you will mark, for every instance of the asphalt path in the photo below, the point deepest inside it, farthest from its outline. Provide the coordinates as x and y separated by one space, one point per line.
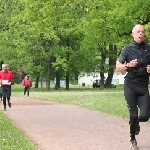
55 126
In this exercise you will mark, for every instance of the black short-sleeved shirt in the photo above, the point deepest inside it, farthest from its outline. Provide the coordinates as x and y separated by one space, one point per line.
141 52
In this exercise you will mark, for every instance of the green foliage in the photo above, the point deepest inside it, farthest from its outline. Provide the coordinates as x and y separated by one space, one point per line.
75 34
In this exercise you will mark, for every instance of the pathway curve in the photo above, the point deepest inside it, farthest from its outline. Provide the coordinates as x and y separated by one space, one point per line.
54 126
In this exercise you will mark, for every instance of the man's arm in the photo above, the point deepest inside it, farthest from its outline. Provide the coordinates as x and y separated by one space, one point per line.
148 68
23 82
120 64
121 67
12 81
30 83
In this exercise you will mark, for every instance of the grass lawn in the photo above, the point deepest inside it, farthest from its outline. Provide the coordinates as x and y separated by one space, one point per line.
11 137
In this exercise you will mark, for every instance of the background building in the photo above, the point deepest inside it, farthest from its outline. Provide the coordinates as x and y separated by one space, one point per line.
85 79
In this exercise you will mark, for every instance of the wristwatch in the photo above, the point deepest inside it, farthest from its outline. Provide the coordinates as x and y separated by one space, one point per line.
126 65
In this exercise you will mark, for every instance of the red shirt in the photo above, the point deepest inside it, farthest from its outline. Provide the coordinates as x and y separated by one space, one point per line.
6 76
27 82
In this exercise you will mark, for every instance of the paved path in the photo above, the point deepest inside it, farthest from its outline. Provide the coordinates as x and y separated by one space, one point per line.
54 126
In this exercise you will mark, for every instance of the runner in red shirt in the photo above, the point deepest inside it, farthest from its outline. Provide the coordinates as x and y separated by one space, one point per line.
6 77
27 84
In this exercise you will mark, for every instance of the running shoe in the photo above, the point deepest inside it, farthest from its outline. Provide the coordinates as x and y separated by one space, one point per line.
134 145
9 104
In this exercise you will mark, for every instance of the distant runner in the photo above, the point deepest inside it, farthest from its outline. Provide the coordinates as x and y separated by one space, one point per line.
27 84
6 78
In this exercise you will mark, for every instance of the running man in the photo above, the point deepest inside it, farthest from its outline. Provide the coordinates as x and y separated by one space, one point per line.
6 77
27 84
135 59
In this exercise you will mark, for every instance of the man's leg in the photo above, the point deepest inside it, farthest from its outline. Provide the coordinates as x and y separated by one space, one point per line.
132 102
28 92
0 93
4 92
8 95
8 100
144 105
25 89
1 97
4 102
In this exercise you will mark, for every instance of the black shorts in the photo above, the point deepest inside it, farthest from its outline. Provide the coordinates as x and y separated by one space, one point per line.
6 90
0 90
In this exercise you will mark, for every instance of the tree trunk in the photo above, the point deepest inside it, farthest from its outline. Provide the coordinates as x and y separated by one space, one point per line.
48 74
57 86
1 64
67 73
67 81
102 67
41 82
102 81
112 63
37 82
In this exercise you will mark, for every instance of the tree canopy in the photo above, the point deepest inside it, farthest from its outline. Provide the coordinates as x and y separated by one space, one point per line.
59 39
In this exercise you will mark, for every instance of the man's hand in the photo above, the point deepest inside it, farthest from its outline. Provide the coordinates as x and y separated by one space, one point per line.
148 68
133 63
9 83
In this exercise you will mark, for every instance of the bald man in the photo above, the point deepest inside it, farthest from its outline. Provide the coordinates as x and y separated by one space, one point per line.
135 60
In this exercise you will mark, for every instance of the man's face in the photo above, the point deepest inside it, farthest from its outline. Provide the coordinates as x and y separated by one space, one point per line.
4 68
138 33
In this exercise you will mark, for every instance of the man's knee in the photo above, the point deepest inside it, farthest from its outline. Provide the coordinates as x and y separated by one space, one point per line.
8 98
133 119
143 118
4 97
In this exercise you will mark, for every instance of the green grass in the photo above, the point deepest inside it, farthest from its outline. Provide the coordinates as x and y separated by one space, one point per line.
11 137
110 101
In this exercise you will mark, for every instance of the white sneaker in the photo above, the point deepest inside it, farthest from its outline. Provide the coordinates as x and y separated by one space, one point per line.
134 145
27 96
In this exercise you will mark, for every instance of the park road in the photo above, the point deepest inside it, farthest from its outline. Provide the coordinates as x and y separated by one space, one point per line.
55 126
